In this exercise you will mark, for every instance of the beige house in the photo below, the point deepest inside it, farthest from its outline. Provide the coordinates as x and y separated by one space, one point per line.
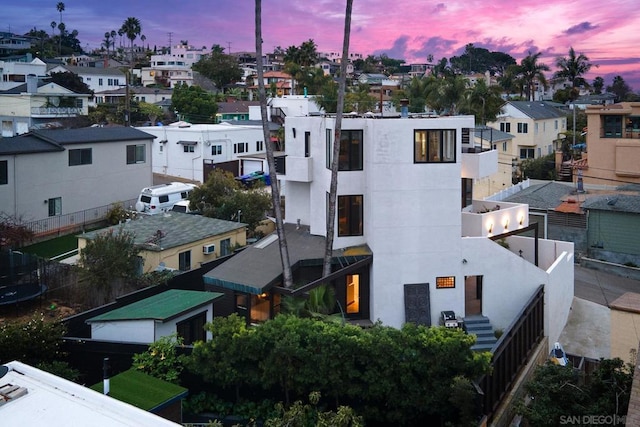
625 326
487 138
613 144
535 125
178 241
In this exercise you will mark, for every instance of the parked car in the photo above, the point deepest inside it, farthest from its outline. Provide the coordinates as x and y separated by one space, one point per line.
253 177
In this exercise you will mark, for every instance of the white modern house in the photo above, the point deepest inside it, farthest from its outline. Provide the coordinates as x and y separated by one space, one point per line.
410 240
189 151
14 73
49 173
98 79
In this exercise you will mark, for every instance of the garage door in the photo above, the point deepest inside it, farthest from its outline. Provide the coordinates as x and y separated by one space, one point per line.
249 166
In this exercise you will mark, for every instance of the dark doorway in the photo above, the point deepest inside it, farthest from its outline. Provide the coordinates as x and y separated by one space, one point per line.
473 295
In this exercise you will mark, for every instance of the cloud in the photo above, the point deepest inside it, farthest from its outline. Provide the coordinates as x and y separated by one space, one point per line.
581 28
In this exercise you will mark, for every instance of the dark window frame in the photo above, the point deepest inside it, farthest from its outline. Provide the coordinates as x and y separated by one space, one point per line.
4 172
80 156
431 145
192 328
136 153
350 208
351 157
184 261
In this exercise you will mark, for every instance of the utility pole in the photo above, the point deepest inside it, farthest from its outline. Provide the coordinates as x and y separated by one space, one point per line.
127 104
229 48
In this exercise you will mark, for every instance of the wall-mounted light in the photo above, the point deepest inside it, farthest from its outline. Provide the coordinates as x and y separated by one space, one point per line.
521 220
490 228
46 201
464 260
506 224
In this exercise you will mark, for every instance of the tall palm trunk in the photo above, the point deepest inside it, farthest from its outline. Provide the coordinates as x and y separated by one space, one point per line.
333 188
275 190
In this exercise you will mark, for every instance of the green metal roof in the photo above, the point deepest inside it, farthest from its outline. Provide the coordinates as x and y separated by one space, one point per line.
162 307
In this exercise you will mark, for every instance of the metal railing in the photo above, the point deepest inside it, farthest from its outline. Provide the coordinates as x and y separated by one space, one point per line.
512 352
62 224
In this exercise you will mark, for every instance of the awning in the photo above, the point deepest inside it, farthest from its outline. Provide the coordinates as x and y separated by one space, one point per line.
187 142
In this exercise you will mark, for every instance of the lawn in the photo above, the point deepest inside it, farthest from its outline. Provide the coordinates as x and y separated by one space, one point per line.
53 247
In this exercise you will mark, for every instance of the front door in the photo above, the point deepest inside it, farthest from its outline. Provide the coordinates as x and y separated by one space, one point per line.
473 295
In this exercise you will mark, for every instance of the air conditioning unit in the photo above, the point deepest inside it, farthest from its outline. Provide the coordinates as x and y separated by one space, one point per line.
208 249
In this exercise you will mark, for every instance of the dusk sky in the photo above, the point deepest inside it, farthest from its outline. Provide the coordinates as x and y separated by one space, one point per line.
607 32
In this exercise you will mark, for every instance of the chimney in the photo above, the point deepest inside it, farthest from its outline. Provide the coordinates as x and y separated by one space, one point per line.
32 83
105 376
404 108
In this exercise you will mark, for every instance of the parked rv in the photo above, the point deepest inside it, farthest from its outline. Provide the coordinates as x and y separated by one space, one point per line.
161 198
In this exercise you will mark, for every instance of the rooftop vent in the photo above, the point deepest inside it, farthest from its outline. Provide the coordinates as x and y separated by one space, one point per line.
9 392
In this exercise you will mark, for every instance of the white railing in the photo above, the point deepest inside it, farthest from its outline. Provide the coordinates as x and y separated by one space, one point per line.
56 111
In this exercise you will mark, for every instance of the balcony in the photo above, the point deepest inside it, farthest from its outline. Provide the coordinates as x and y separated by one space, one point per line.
478 163
487 218
46 112
298 169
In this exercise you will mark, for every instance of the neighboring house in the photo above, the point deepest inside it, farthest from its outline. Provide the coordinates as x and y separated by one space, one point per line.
98 79
502 142
36 104
41 398
234 110
556 208
613 228
625 318
283 83
171 312
535 126
167 76
594 99
11 43
180 54
50 173
139 93
613 144
15 69
177 241
191 151
410 240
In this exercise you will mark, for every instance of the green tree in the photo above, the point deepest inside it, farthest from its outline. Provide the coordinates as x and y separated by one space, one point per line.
151 111
60 8
446 95
305 55
34 341
598 85
221 68
194 104
13 232
107 260
540 168
162 360
131 28
619 88
70 81
210 196
483 101
415 93
309 414
559 391
532 72
573 68
359 99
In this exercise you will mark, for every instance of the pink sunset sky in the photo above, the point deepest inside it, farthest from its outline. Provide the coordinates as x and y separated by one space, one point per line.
605 31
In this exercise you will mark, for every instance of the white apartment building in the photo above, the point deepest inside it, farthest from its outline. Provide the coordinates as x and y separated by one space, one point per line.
190 151
14 74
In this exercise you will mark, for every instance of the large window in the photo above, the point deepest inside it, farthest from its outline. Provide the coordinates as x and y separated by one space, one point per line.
445 282
4 172
216 150
55 206
184 261
523 127
225 247
189 148
527 153
80 156
328 147
350 158
241 147
505 127
136 154
434 146
350 215
192 329
612 126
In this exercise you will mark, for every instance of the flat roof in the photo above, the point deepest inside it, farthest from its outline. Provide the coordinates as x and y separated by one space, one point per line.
161 307
126 387
48 400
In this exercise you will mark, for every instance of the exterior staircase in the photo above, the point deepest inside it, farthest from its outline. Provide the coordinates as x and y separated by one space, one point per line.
480 327
566 172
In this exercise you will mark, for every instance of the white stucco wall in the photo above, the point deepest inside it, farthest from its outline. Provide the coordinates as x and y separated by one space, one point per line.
130 331
169 157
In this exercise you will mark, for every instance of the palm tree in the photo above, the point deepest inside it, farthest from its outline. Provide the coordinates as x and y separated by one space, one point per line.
61 27
53 27
60 8
132 29
333 187
572 68
531 72
483 101
275 189
107 41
